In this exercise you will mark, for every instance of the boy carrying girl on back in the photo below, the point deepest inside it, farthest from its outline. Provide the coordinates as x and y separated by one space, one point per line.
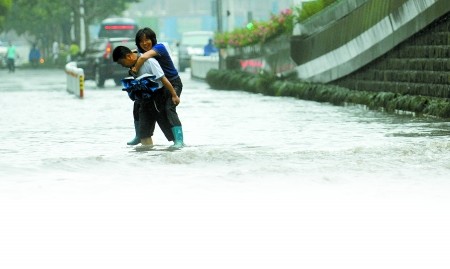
151 103
149 48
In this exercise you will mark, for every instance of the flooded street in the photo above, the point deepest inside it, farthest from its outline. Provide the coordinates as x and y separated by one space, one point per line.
264 182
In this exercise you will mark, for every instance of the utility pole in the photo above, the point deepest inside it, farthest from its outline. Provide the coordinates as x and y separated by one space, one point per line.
219 16
220 30
230 15
82 28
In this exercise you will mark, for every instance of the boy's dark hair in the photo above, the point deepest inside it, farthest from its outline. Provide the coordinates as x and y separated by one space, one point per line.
149 33
120 52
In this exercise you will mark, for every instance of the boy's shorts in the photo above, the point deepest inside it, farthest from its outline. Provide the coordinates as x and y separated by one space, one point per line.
151 111
148 113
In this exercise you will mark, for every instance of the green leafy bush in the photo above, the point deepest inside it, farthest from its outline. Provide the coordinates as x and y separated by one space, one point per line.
257 32
310 8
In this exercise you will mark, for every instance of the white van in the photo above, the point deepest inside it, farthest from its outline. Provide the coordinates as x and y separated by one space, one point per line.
192 43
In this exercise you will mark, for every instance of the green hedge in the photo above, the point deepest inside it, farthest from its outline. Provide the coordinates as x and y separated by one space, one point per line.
308 9
271 85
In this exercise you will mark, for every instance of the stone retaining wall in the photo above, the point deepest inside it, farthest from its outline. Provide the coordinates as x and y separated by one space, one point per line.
371 29
418 66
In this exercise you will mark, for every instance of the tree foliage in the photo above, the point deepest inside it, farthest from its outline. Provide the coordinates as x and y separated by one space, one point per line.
5 5
49 20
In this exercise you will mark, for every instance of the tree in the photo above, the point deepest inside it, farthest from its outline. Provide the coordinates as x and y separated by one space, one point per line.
49 20
95 11
38 19
5 5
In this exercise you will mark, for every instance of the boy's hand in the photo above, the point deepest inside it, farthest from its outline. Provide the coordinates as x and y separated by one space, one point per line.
133 69
176 100
132 73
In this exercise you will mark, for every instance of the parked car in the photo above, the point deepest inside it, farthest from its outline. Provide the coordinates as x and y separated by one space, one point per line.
97 61
191 43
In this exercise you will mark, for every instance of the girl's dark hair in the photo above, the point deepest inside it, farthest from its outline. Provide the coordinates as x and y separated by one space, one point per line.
149 33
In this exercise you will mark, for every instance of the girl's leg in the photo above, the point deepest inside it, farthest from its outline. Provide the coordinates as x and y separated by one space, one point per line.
172 114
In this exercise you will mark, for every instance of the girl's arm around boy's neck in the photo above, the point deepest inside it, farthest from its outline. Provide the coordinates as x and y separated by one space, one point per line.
144 57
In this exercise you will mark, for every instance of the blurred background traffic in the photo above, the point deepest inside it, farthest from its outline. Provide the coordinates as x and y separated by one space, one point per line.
64 30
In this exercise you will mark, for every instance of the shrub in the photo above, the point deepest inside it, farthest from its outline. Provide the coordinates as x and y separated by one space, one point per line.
257 32
271 85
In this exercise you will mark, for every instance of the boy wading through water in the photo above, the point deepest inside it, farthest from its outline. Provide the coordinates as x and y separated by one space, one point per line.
151 103
149 47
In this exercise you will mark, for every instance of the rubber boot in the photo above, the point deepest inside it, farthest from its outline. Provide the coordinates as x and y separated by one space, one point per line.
178 137
137 139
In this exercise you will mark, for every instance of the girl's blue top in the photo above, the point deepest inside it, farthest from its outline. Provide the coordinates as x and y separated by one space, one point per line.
165 61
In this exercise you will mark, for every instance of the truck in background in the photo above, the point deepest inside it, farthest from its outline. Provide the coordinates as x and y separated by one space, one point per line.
118 27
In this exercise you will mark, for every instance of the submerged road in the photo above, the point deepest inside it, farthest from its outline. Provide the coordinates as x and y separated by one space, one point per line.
264 182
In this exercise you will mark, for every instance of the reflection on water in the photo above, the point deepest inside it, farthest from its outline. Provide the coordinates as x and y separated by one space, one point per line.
428 130
432 133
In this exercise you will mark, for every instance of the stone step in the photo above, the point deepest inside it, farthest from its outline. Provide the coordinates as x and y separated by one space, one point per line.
426 89
430 39
421 64
441 25
414 52
433 77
